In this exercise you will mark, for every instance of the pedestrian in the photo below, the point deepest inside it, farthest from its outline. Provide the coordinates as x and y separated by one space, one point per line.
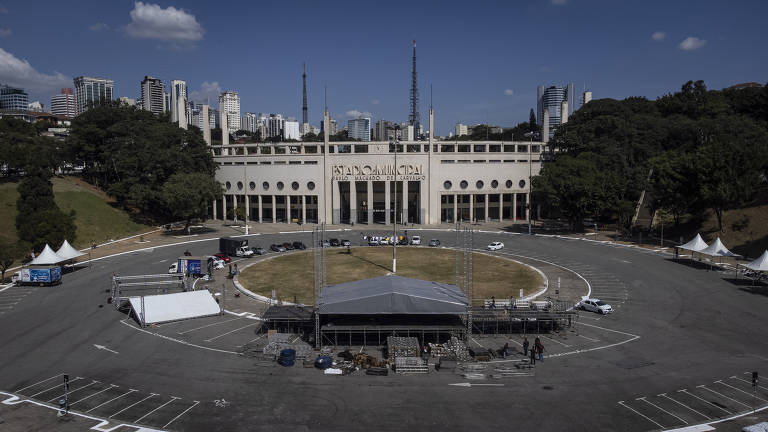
504 350
540 351
493 302
525 346
533 356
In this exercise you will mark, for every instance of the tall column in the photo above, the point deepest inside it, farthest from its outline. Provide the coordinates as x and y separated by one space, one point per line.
274 208
288 218
386 202
486 208
247 207
501 207
471 208
258 197
527 206
303 209
234 206
224 128
514 207
455 208
224 207
214 208
336 202
404 210
352 202
369 200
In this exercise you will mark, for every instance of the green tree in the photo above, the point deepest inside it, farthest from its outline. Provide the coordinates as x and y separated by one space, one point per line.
8 252
532 121
50 226
187 196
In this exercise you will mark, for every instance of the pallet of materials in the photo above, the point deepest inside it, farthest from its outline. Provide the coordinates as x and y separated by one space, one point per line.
404 365
402 346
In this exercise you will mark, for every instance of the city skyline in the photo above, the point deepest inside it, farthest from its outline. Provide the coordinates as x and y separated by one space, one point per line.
485 71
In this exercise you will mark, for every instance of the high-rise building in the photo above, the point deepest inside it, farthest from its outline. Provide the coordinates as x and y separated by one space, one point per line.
248 122
13 98
125 100
273 125
586 97
551 98
153 95
229 102
89 90
407 133
291 129
360 128
178 105
461 129
63 104
383 130
213 118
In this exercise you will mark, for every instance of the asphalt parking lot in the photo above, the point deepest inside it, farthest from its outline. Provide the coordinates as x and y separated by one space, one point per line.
661 360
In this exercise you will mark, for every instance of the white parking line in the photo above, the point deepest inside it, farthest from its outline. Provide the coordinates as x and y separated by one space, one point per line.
718 393
684 405
589 338
182 413
640 414
56 386
39 382
111 386
133 405
662 409
749 382
73 391
173 398
746 393
208 325
705 401
113 399
556 341
232 331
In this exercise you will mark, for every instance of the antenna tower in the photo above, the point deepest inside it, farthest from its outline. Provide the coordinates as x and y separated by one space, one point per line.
414 119
304 115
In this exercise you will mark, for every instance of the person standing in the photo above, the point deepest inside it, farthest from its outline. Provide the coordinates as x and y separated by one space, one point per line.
540 350
505 350
525 346
533 356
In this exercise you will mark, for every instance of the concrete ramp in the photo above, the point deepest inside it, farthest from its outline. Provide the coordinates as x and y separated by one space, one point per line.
174 307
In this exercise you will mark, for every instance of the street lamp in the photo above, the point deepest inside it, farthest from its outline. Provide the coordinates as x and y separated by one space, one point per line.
395 141
530 194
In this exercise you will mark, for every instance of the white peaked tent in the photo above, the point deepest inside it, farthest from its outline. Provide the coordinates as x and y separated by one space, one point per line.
696 245
717 249
67 252
47 256
760 264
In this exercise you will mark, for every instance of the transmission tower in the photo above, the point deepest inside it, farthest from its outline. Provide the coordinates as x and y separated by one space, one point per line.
414 119
304 115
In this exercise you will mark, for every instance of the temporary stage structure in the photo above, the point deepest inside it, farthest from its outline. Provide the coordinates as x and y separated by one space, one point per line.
760 264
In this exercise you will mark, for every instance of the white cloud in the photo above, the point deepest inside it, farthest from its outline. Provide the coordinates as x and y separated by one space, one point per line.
509 92
375 102
692 43
3 9
5 32
559 2
208 91
20 73
98 27
356 114
659 36
150 21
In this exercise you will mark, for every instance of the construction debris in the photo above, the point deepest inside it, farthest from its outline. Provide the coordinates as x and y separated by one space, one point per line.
402 346
405 365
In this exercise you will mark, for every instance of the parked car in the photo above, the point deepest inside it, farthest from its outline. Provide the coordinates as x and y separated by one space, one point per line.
217 262
224 257
495 246
415 240
288 246
299 245
595 305
277 248
258 250
346 243
373 241
402 240
335 242
434 243
325 243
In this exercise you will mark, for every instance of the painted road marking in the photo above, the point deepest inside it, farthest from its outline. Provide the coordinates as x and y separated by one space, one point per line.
640 414
705 401
209 325
182 413
556 341
133 405
749 382
73 391
684 405
589 338
173 398
718 393
232 331
39 382
56 386
746 393
111 386
113 399
662 409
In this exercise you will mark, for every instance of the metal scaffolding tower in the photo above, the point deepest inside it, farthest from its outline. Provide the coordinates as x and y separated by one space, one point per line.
414 119
304 115
318 251
468 267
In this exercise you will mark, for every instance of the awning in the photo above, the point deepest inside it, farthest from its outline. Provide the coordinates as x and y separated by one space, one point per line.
760 264
696 245
67 252
47 256
173 307
718 249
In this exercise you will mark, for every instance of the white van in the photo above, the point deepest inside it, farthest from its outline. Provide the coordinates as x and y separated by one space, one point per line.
415 240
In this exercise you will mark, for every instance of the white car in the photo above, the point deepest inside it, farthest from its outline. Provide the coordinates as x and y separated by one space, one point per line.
595 305
495 246
415 240
218 263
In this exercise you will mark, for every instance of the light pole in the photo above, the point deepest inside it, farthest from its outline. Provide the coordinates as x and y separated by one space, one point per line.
394 213
530 170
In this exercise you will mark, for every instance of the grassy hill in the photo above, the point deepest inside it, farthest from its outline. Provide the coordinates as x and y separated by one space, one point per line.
96 219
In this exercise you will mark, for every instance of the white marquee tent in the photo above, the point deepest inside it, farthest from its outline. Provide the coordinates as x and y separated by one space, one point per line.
696 245
47 256
760 264
718 249
67 252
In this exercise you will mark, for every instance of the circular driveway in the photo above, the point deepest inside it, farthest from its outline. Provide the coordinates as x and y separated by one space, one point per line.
674 353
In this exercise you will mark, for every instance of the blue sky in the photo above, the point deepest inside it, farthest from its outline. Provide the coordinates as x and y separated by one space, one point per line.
483 59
